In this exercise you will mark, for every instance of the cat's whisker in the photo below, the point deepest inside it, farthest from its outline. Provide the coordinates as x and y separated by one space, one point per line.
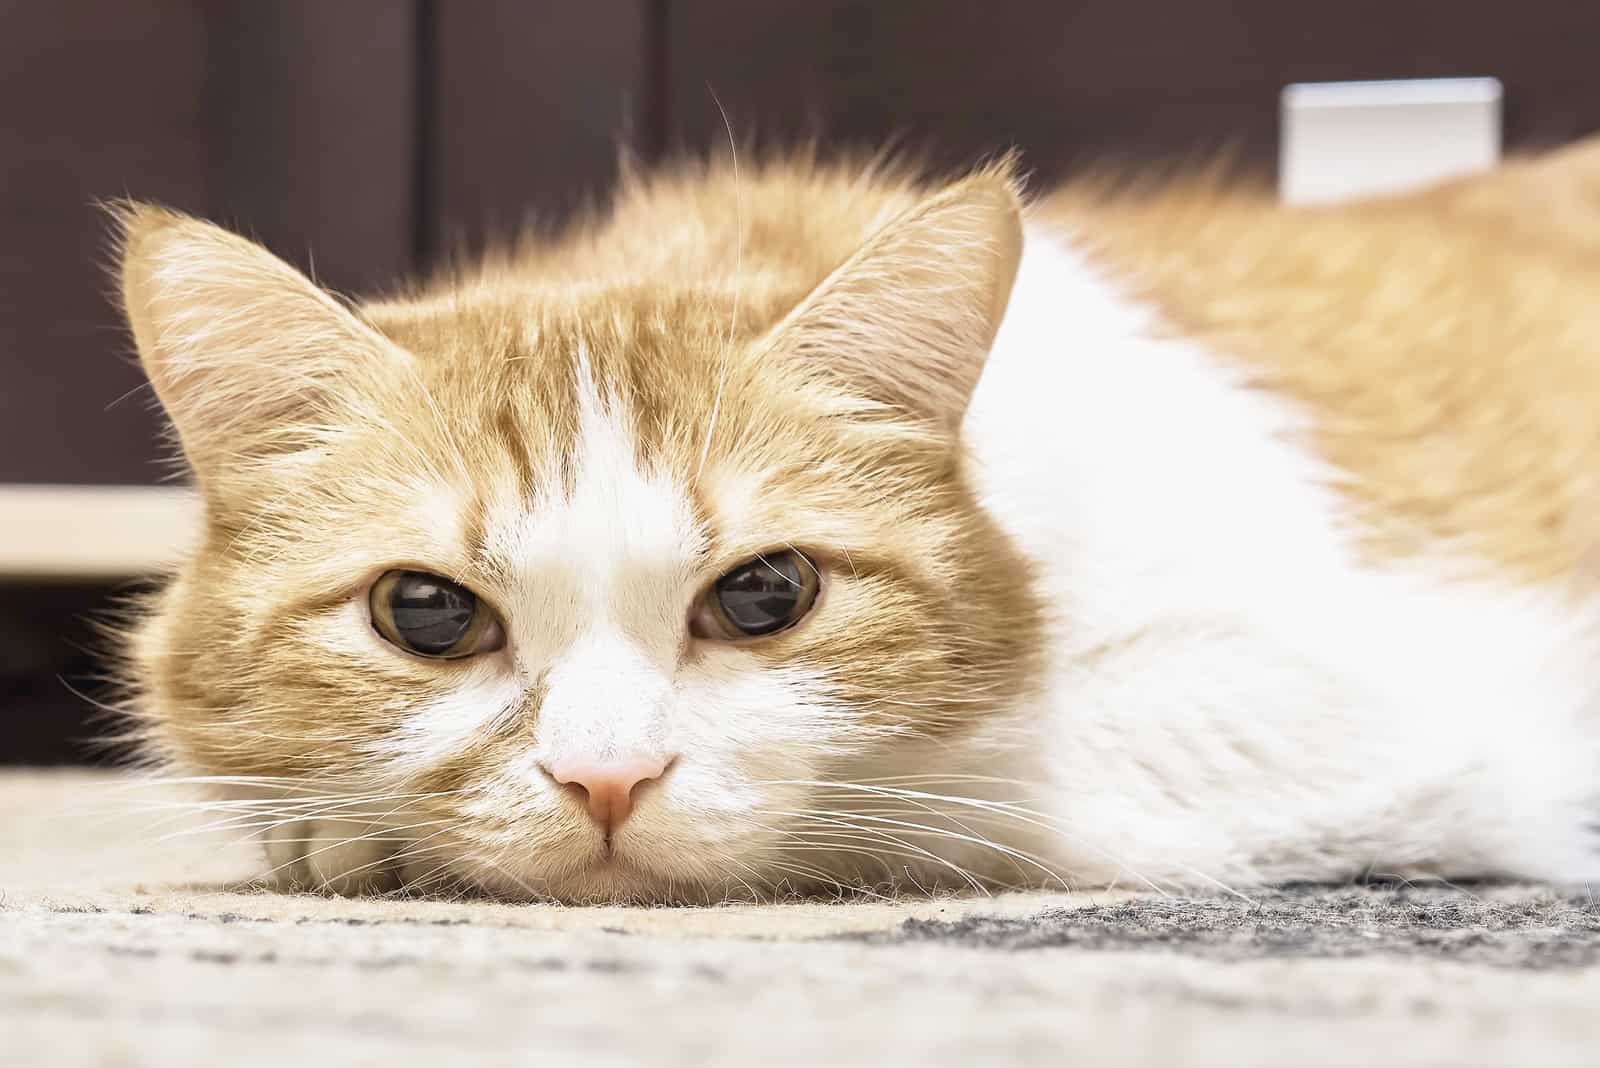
824 878
1033 817
738 292
880 848
292 801
372 836
259 826
1024 815
415 848
845 822
150 780
330 846
439 872
252 812
755 894
308 807
1020 860
965 827
520 883
926 777
925 798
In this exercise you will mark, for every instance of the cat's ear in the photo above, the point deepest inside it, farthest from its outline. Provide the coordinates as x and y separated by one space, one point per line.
909 318
238 344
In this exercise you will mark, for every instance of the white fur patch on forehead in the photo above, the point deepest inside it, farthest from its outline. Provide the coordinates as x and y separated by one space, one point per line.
616 546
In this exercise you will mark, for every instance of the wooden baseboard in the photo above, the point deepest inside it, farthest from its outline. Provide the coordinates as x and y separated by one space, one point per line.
93 532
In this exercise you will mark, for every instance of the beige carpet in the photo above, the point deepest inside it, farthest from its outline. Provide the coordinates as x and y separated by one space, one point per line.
120 944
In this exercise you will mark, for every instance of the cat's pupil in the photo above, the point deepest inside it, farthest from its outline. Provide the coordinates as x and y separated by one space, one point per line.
430 613
762 595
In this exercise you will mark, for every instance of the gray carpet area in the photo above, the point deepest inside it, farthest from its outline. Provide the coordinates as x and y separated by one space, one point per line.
1530 928
123 946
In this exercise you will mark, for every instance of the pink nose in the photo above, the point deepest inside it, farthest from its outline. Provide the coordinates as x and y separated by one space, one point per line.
607 785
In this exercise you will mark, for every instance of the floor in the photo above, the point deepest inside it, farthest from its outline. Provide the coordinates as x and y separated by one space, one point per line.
125 944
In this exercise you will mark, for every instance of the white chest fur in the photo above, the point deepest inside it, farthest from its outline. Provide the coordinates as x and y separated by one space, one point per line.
1233 695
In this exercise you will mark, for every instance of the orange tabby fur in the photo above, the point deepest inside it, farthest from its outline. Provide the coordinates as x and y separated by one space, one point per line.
1442 342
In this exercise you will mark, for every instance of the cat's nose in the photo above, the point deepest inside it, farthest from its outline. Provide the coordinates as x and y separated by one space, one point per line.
608 786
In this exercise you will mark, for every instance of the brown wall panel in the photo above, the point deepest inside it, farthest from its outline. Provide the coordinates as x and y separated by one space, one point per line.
533 102
293 121
311 140
96 100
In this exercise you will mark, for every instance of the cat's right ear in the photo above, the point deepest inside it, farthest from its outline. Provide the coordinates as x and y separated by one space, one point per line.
908 319
239 346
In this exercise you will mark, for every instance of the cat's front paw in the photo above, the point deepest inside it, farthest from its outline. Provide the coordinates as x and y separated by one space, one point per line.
333 856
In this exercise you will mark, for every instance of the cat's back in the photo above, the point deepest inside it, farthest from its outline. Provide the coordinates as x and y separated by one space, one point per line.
1305 489
1444 346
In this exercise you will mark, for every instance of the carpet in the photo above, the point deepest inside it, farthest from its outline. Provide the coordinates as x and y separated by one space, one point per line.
125 943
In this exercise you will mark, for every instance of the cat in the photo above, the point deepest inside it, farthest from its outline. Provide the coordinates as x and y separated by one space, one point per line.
820 527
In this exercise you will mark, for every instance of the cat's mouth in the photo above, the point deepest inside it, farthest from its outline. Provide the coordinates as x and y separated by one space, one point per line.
613 879
617 868
613 857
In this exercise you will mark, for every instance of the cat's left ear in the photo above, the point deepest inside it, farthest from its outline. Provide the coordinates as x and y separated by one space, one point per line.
908 320
239 345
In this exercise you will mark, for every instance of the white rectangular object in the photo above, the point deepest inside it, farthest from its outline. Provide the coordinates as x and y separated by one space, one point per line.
94 532
1350 139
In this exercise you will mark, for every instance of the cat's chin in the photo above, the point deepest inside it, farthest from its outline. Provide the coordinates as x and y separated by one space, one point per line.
326 863
606 877
624 880
357 858
332 860
351 858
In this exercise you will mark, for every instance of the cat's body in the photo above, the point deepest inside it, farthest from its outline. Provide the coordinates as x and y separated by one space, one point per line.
1238 692
1175 540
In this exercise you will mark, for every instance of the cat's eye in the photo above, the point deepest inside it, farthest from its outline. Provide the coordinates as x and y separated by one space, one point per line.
432 616
761 596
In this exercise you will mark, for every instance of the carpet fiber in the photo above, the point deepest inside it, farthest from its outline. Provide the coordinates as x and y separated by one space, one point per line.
122 943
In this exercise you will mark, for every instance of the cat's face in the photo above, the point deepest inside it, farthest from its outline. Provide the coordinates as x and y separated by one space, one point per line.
580 590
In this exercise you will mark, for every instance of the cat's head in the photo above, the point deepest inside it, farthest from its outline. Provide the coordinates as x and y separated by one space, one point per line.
564 580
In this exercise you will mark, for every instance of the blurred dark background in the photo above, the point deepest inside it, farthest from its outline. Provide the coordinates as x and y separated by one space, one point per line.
369 138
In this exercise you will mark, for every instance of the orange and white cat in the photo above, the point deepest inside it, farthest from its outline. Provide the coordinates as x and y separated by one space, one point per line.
814 527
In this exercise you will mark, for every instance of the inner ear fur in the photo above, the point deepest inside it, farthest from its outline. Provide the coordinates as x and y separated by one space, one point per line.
237 343
909 318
